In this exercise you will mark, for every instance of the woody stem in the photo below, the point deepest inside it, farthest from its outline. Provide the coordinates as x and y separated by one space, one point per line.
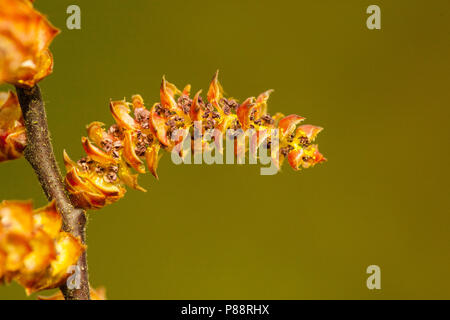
39 153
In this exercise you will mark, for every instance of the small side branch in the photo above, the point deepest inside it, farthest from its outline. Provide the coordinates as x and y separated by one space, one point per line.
39 153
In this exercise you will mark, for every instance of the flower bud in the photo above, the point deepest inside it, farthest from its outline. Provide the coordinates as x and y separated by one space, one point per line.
12 127
33 250
25 35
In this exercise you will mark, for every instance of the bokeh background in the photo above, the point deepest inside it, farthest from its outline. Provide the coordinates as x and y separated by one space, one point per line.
226 232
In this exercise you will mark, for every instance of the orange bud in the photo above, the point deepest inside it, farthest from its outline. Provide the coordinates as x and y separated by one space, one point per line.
243 112
137 101
263 97
131 180
167 93
187 90
69 249
305 157
33 249
160 127
226 123
288 123
152 159
121 113
25 35
12 127
96 153
96 132
92 186
129 153
48 219
196 111
262 100
215 92
308 131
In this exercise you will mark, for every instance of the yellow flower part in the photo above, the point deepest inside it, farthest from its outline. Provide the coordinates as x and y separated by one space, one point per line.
12 127
116 155
33 250
25 35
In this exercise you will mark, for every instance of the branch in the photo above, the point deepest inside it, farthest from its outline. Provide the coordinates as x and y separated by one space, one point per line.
39 153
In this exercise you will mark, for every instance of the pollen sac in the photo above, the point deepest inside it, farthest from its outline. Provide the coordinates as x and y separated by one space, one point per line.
25 35
33 250
12 128
117 155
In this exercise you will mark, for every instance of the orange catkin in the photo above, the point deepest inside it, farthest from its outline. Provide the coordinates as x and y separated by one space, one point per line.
139 134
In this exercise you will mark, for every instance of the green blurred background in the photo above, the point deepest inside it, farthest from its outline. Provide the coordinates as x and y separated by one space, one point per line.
226 232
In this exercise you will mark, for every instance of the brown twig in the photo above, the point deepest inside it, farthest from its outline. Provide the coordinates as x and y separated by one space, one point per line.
39 153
